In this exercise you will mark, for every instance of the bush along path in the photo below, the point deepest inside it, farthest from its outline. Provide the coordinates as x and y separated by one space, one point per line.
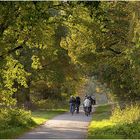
16 122
64 126
119 124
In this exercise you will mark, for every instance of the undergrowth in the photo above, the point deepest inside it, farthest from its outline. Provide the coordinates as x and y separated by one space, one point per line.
118 124
14 122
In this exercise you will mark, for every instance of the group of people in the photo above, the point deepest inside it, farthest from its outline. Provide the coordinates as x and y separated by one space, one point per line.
75 103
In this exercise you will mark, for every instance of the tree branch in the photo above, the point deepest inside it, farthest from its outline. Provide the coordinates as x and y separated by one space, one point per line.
14 49
49 63
114 51
11 51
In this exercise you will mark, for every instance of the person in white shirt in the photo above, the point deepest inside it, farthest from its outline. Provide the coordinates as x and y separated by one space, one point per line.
87 102
86 105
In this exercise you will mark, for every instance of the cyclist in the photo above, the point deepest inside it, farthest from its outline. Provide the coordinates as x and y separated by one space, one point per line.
86 105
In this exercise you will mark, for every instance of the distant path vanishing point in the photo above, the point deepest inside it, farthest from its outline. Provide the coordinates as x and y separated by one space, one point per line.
64 126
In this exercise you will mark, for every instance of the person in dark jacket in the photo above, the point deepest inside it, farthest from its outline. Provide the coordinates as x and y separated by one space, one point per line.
93 102
72 102
78 102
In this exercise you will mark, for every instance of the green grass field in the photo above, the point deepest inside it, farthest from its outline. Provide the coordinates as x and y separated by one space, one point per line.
39 117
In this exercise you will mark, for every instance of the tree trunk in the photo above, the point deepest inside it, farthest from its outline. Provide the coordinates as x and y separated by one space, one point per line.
27 101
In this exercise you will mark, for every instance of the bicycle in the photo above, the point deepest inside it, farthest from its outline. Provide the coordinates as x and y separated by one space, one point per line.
87 111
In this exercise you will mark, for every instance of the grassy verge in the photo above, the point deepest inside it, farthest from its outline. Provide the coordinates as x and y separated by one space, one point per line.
115 126
39 117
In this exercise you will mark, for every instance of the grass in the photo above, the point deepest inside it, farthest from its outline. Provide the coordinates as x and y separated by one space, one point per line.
115 126
39 117
100 121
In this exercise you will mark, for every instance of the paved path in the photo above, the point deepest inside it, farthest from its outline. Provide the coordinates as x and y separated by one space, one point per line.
63 126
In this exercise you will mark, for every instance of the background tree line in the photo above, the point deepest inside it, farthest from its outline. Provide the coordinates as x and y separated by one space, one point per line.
46 48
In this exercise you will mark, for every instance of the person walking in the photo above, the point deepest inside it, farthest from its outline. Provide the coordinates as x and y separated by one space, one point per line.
78 102
72 104
91 100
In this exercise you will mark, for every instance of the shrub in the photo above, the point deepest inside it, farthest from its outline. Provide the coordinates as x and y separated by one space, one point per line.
128 115
122 124
127 121
10 118
51 104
